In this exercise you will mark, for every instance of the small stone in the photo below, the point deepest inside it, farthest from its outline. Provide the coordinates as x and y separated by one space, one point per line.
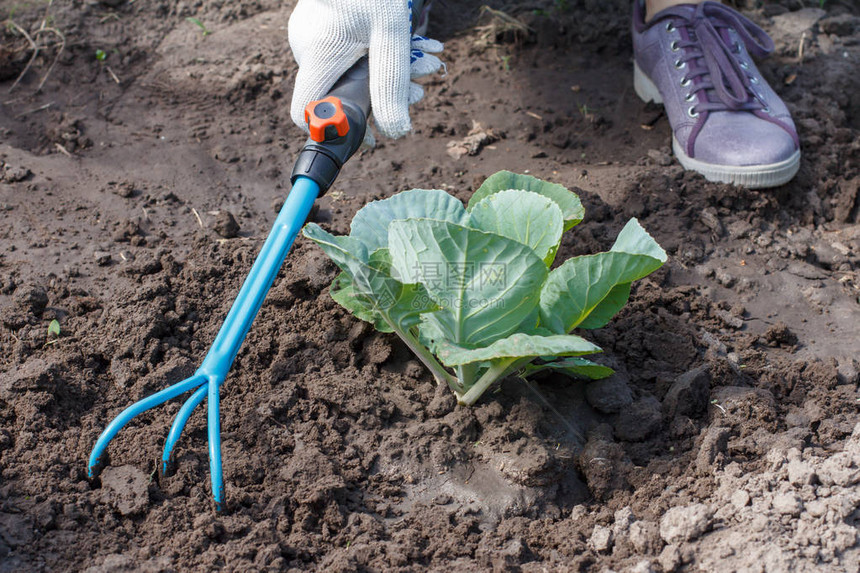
740 499
609 395
787 504
225 225
124 189
121 372
102 258
730 320
600 463
670 558
601 539
685 523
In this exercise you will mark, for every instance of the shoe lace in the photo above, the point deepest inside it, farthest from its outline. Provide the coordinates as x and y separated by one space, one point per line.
715 66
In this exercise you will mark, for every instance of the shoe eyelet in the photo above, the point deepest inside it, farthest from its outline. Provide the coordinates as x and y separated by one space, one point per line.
753 80
679 65
685 82
691 111
670 27
766 110
674 47
738 47
745 66
689 97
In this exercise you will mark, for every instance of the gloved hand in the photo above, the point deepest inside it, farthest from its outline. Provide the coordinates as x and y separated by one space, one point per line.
328 36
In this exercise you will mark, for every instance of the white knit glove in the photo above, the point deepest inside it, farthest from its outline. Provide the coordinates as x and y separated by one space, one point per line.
328 36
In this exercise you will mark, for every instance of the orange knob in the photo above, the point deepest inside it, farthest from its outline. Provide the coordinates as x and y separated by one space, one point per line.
326 119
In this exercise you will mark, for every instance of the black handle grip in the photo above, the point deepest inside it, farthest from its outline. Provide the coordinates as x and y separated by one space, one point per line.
321 161
353 87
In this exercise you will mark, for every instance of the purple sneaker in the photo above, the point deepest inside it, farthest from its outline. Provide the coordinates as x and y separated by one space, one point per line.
728 124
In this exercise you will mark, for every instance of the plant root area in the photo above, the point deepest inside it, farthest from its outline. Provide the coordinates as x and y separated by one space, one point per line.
137 186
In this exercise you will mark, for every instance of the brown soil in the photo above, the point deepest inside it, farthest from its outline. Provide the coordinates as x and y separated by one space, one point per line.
726 442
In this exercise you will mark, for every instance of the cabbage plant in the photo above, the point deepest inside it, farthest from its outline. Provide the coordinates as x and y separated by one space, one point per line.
471 290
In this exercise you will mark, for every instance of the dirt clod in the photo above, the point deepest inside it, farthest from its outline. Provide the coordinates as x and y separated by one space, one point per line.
126 489
638 420
601 539
685 523
225 225
609 395
32 300
688 395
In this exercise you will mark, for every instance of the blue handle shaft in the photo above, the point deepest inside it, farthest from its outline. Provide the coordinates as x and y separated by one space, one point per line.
290 220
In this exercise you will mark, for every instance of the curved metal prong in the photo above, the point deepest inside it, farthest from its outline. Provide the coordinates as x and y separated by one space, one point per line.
214 423
112 429
179 425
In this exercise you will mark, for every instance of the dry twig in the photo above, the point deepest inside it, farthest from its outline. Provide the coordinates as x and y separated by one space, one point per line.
33 40
500 23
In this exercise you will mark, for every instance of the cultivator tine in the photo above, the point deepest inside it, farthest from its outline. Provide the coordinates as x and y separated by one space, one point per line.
96 457
215 468
179 425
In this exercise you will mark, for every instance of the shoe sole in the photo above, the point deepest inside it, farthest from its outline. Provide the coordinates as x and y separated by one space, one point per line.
749 176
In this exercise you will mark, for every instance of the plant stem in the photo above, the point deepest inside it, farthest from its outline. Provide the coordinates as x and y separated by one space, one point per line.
490 376
466 373
429 361
496 372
